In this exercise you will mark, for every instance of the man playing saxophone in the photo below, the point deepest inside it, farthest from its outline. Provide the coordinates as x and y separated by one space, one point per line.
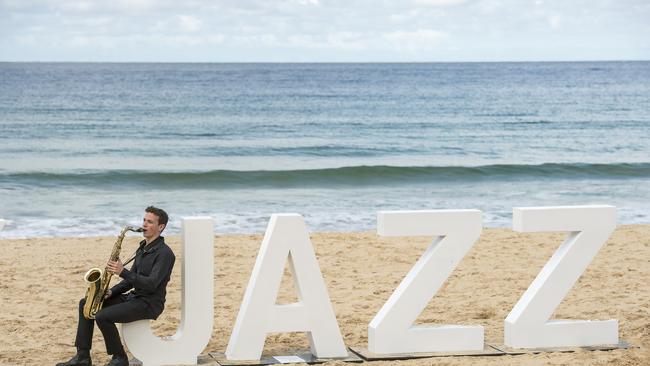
140 294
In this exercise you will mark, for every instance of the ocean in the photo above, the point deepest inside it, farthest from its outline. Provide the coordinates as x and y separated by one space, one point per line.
85 147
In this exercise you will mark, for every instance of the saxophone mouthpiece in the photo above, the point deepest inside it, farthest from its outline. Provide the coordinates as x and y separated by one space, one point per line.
138 230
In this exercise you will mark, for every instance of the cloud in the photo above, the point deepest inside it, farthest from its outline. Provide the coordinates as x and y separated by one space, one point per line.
192 41
421 39
347 40
404 16
266 40
306 2
26 40
554 21
136 6
189 23
440 3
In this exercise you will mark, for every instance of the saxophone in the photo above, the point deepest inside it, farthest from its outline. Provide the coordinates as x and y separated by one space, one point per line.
98 280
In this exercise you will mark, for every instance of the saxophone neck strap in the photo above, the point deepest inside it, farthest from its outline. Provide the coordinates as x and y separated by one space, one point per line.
131 259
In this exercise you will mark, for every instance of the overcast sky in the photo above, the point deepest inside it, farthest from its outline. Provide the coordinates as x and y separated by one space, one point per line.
324 30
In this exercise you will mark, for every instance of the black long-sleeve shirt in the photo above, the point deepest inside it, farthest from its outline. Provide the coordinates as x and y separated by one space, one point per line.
149 275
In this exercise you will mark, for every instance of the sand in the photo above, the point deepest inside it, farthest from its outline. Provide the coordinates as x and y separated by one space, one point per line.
41 282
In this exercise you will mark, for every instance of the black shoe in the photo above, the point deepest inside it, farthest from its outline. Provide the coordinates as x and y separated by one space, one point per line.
119 360
80 359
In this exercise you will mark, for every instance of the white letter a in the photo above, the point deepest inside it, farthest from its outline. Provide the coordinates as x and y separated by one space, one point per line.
286 238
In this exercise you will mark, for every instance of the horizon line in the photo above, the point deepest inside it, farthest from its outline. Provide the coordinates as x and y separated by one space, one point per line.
321 62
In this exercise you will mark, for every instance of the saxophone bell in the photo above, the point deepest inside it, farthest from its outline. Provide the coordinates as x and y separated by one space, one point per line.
98 280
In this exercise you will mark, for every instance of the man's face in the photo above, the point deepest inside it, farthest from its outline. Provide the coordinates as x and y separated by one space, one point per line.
152 228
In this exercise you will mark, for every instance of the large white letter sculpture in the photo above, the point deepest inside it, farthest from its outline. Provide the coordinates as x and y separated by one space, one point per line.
392 330
286 237
2 224
197 304
528 324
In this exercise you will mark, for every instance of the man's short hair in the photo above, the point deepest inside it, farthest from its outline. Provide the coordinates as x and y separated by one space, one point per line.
163 218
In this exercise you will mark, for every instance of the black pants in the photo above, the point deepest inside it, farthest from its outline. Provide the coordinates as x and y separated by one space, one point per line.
117 309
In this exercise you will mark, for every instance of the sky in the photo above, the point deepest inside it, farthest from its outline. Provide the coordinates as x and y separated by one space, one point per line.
324 30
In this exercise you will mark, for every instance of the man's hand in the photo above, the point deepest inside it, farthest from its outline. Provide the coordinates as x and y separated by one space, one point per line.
108 294
115 267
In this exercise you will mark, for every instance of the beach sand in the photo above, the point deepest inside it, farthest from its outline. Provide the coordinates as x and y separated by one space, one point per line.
41 282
